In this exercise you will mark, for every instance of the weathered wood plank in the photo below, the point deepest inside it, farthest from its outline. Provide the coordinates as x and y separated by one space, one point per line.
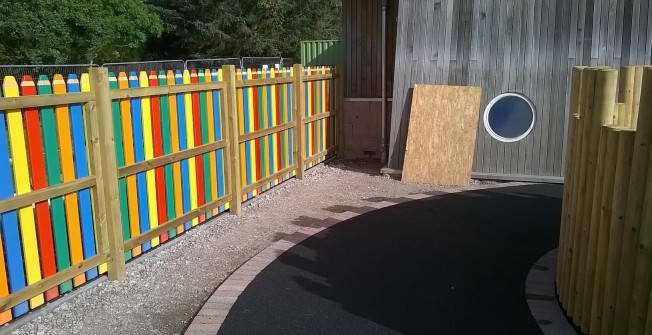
526 47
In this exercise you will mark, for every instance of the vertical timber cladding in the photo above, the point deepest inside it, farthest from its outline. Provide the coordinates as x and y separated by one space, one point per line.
527 47
362 46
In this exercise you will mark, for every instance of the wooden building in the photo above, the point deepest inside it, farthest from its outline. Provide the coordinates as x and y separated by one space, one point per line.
523 47
363 64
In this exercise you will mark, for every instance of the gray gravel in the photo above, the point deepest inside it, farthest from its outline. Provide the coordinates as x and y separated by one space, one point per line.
165 288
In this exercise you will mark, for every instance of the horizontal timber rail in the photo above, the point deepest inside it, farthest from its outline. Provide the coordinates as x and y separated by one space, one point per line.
136 241
317 77
170 158
263 82
265 132
324 153
52 281
45 100
165 90
27 199
319 117
266 180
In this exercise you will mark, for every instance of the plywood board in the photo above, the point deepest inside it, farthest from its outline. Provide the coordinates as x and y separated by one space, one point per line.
441 134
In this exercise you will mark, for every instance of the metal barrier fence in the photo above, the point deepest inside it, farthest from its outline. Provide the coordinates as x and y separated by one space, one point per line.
211 63
145 66
18 71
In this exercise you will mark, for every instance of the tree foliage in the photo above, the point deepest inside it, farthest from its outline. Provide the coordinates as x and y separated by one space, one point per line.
81 31
74 31
238 28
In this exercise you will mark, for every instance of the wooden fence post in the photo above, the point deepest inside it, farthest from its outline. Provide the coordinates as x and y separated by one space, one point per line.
298 110
232 151
106 194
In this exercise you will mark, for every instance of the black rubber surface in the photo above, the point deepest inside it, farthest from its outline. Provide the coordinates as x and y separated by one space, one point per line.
451 264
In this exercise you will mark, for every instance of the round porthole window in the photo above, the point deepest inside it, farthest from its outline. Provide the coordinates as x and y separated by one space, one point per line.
509 117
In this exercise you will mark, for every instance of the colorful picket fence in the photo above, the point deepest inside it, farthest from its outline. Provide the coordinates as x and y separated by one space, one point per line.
96 170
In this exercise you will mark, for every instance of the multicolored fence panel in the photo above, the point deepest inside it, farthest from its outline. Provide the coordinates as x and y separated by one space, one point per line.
260 108
320 99
43 148
171 161
150 127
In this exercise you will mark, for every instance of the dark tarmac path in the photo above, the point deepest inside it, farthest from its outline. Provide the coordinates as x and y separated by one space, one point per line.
449 264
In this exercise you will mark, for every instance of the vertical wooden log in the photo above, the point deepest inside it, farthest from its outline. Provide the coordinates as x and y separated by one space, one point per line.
572 217
568 178
626 92
232 151
617 225
577 268
636 102
643 270
636 193
594 224
604 217
624 114
298 110
106 193
619 114
605 97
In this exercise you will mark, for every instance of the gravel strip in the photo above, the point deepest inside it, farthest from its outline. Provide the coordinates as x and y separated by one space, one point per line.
165 288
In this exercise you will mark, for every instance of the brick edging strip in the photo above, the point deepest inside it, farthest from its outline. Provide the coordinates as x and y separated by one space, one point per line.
540 295
210 317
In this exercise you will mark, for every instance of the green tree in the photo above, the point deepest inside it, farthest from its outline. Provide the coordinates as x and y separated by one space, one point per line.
238 28
74 31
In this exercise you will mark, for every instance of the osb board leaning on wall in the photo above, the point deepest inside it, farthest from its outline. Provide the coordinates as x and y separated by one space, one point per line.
441 134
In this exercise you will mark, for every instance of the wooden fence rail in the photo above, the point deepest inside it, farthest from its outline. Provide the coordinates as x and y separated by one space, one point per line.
98 169
604 276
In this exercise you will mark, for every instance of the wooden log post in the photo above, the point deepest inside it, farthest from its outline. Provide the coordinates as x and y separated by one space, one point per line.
603 207
575 182
626 93
568 178
605 98
636 194
298 111
232 151
624 158
586 114
105 169
594 226
636 102
619 114
643 266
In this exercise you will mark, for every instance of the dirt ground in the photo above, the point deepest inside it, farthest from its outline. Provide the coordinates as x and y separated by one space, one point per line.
165 288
